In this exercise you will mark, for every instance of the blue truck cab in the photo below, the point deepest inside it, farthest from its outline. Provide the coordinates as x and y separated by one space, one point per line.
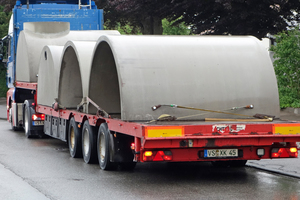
81 14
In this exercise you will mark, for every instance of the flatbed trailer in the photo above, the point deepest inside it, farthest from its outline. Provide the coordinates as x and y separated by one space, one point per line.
96 90
223 143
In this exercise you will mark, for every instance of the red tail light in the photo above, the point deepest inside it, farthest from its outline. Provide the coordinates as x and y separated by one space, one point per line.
157 156
284 152
132 146
38 117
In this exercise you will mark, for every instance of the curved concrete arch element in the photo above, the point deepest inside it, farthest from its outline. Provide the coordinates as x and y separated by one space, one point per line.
74 74
36 35
130 74
48 79
104 83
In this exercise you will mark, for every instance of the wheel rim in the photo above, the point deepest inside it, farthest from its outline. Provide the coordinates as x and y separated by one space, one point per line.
86 142
72 138
102 147
26 122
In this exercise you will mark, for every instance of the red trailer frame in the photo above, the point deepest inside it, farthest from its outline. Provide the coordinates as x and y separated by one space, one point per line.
181 141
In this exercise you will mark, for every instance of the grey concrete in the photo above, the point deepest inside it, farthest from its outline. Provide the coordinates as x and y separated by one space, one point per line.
13 187
290 167
209 72
36 35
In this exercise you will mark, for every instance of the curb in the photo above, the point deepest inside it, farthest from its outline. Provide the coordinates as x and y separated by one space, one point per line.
290 174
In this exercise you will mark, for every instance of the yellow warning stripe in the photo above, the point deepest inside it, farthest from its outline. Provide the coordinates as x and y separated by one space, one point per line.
165 131
286 129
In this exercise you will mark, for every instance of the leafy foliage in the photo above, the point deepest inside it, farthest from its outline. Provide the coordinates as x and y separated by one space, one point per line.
287 67
236 17
4 21
170 29
7 5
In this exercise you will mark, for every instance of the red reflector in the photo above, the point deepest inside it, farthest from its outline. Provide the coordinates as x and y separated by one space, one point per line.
159 156
284 153
32 104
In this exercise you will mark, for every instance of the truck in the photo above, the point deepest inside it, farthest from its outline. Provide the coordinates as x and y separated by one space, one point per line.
121 99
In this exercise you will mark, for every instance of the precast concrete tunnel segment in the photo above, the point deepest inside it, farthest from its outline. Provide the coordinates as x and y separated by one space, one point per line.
49 70
130 74
74 74
36 35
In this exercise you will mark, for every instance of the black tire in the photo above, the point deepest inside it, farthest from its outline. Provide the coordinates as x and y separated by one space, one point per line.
27 122
103 148
74 139
238 163
89 143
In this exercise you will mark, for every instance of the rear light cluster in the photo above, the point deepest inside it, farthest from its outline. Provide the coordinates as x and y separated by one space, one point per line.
284 152
157 156
38 117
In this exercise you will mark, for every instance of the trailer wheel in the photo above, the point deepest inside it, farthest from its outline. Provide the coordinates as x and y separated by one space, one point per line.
103 150
74 139
89 143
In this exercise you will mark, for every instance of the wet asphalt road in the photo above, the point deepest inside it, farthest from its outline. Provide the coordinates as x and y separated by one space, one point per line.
42 169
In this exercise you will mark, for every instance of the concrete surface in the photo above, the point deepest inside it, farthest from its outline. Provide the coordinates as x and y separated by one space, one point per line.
288 167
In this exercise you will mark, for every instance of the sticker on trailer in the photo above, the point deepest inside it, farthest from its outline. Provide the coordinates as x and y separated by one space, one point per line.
164 131
286 129
226 128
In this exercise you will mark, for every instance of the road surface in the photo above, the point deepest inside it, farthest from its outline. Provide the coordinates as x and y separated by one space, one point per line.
43 169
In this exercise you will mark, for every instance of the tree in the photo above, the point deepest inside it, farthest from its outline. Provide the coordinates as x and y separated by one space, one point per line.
236 17
144 14
4 22
8 5
287 67
240 17
179 29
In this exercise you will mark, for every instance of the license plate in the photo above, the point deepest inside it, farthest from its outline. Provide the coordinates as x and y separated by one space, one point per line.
220 153
38 123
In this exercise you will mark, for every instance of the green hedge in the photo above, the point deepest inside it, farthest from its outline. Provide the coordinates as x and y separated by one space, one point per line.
3 88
